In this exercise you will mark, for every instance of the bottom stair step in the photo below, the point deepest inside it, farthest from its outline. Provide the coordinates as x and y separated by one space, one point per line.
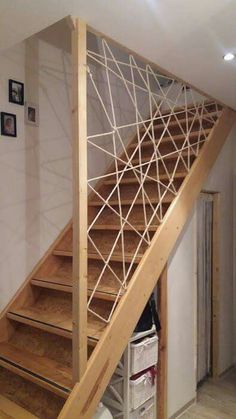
10 410
48 373
41 403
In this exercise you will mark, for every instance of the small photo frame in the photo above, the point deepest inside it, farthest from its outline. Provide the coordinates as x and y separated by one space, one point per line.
16 92
8 124
31 114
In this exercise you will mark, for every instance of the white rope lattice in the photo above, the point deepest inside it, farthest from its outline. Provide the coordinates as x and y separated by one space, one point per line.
152 128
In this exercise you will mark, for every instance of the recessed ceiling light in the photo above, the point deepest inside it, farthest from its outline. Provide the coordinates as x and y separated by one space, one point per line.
229 56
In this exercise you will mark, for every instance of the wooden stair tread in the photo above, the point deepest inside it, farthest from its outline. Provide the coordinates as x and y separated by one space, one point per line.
133 180
55 322
166 200
182 120
117 257
169 156
116 227
11 410
190 107
41 367
168 139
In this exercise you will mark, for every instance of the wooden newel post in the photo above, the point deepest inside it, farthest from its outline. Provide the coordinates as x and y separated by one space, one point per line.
80 205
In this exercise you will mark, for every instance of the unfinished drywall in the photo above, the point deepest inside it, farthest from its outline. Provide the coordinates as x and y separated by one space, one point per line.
182 290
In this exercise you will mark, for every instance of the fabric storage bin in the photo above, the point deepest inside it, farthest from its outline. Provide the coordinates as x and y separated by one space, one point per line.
142 388
143 354
146 411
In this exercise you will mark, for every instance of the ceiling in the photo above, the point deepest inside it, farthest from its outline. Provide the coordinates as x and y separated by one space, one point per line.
186 37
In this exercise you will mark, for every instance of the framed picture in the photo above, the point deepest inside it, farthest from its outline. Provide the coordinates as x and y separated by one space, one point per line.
31 114
16 92
8 124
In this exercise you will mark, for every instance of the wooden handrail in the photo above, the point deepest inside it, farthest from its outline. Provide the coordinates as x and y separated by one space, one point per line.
87 394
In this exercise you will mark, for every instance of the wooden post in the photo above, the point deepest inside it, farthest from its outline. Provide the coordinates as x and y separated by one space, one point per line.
80 200
215 286
162 351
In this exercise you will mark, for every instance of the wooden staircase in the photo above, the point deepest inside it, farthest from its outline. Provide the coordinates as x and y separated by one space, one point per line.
36 327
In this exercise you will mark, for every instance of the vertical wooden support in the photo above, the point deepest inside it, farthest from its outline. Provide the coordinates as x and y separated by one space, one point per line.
215 285
79 132
162 352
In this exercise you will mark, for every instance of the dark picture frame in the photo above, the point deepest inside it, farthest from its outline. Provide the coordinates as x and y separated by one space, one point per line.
31 114
16 92
8 124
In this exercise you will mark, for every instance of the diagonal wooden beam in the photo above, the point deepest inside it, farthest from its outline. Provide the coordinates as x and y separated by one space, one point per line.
87 394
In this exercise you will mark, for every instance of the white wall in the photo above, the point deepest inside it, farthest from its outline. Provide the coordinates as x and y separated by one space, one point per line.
35 171
35 168
181 347
182 290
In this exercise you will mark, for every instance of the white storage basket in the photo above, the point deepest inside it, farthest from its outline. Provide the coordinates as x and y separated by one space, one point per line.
146 411
143 354
141 390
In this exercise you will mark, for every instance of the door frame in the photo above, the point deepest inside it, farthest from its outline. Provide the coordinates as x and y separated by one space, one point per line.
215 284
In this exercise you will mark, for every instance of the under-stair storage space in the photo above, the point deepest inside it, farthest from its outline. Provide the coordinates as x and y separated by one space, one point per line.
131 392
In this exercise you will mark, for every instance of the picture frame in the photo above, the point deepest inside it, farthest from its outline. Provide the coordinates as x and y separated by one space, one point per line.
16 92
8 124
31 114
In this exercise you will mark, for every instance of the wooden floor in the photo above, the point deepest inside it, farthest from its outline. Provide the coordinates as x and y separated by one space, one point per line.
215 400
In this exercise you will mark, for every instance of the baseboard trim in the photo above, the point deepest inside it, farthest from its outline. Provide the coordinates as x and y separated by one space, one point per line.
183 409
225 372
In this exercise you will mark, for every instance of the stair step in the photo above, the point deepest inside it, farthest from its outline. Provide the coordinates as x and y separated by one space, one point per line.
116 257
168 139
41 370
11 410
60 277
30 396
65 285
191 108
133 180
127 227
182 121
114 202
170 156
54 322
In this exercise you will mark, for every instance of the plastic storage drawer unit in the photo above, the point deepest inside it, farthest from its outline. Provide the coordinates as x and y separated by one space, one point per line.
142 388
146 411
144 354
